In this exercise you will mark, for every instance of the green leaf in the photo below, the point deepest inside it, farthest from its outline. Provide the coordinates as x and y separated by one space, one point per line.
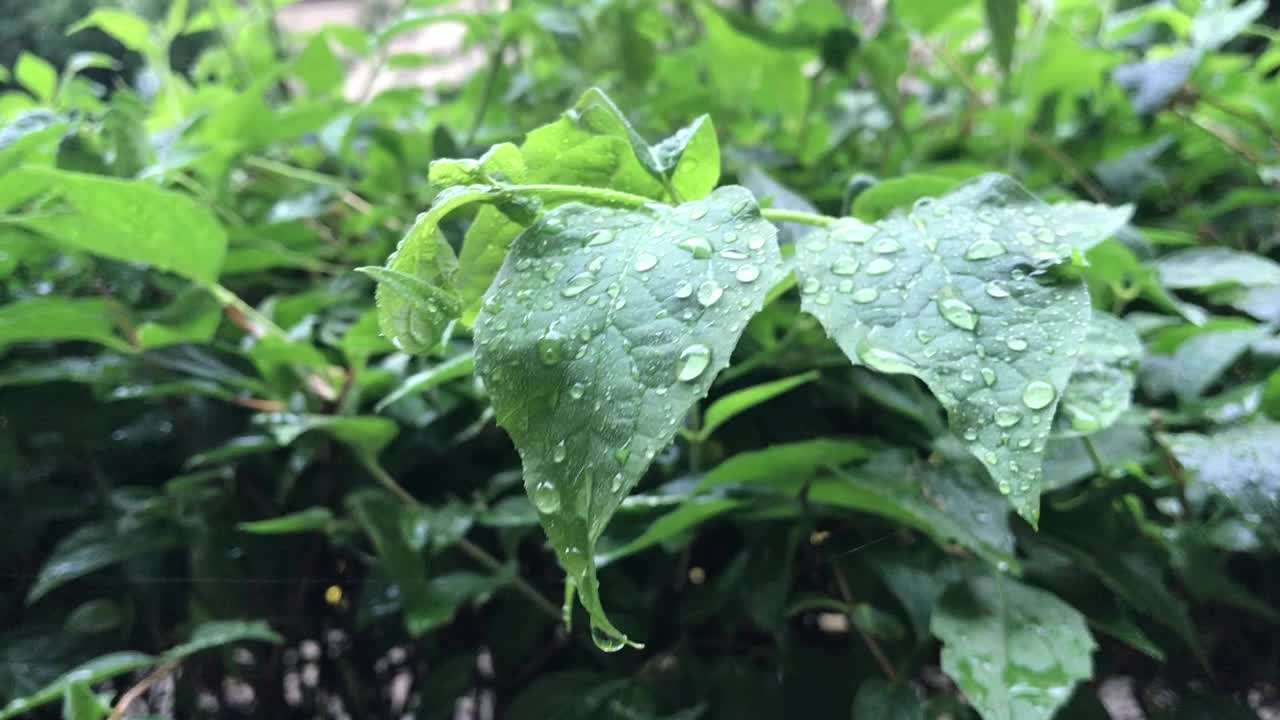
1101 387
1220 21
416 295
1002 24
454 368
133 221
128 29
210 635
602 329
880 700
91 548
735 403
60 318
314 519
1015 651
671 526
797 460
880 200
383 519
1240 465
1198 361
37 76
96 616
1214 267
365 434
565 152
958 293
79 703
95 671
190 317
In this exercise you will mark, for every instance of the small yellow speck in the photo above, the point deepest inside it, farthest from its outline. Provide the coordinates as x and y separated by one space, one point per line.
697 575
333 595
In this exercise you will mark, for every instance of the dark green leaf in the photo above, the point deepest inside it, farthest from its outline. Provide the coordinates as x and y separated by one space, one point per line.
1240 464
309 520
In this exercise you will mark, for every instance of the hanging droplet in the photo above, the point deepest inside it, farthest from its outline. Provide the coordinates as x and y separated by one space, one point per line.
1038 394
879 266
958 313
545 497
845 265
983 249
578 284
747 273
709 292
606 640
1007 416
693 362
645 262
697 247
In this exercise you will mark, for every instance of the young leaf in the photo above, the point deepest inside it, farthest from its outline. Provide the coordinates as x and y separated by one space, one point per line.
36 75
564 152
601 330
381 517
59 318
309 520
958 294
1002 24
726 408
1015 651
1101 388
451 369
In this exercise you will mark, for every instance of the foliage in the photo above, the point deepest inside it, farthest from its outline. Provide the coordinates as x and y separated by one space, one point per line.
926 368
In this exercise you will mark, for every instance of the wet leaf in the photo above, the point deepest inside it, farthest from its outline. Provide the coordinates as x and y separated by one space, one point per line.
1239 464
1101 387
601 330
959 294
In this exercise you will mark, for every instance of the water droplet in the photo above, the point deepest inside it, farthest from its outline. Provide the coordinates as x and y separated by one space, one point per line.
578 284
845 285
697 247
983 249
600 237
606 640
545 497
1003 487
958 313
856 233
886 246
1007 416
996 290
866 295
924 336
693 362
747 273
684 290
1016 343
988 376
756 242
845 265
811 285
733 254
576 391
709 292
879 266
551 347
645 262
616 483
1038 394
559 452
884 360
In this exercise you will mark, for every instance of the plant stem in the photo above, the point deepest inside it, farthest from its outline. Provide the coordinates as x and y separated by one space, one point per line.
490 86
876 651
228 299
1094 455
475 552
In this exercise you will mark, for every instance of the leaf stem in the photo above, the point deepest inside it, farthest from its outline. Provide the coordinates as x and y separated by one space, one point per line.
475 552
490 85
876 651
1094 455
797 216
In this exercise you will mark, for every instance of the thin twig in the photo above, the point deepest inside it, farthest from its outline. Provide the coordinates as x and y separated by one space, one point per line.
137 691
1077 173
1224 136
867 640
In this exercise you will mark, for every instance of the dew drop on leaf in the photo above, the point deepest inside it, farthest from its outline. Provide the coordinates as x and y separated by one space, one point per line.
551 347
988 376
645 262
958 313
811 285
983 249
1007 416
545 497
709 293
886 246
884 360
606 640
879 266
684 290
600 237
996 290
732 254
697 247
577 390
1038 394
578 284
693 362
559 452
1017 344
845 265
866 295
747 273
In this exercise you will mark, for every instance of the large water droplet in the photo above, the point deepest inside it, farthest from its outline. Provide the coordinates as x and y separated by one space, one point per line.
645 262
551 347
545 497
1038 394
693 362
606 640
1016 343
996 290
886 246
811 285
577 390
958 313
709 292
865 295
988 376
983 249
600 237
884 360
1007 416
698 247
879 266
578 284
684 290
733 254
747 273
845 265
559 452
